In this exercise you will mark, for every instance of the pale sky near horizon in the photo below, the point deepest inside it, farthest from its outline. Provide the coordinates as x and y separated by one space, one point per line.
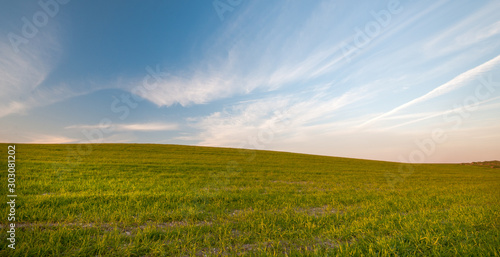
412 81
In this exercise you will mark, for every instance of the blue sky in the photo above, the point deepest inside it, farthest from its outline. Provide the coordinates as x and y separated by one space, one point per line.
412 81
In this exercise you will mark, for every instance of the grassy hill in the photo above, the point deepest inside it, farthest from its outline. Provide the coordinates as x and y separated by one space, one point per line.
169 200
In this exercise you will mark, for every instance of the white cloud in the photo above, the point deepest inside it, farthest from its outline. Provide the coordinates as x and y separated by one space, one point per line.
266 57
478 26
146 127
475 36
426 116
269 57
23 73
445 88
290 117
20 74
129 127
48 139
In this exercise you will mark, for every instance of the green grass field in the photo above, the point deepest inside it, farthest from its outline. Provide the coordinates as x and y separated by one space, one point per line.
169 200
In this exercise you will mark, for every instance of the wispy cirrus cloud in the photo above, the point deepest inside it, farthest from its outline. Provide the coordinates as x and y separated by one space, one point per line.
478 26
275 56
419 117
445 88
24 71
287 116
21 74
264 58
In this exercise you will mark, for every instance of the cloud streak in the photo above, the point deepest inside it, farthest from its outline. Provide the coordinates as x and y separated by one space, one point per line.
447 87
129 127
49 139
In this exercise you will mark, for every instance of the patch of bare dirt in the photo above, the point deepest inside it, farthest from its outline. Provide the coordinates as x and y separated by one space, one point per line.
318 211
